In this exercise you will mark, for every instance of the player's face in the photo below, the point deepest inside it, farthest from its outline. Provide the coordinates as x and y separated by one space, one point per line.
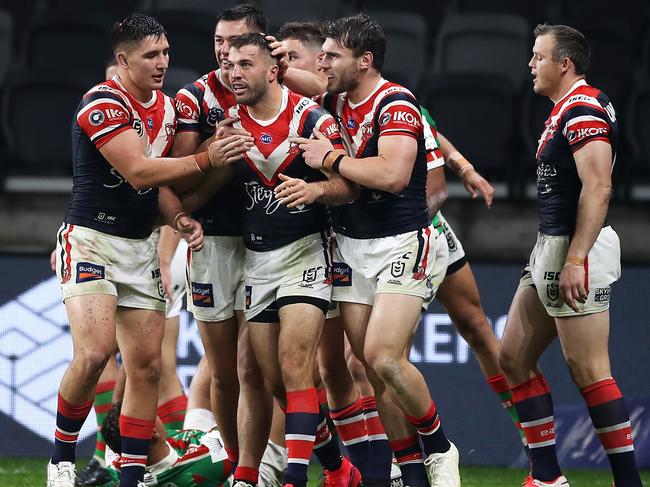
546 72
147 62
301 56
340 66
223 34
250 73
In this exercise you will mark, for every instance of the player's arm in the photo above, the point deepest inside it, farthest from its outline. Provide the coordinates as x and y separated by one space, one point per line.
124 153
186 143
174 214
297 80
474 183
167 245
436 190
333 191
594 165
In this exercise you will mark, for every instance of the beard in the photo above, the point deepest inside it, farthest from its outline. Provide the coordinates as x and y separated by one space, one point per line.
347 80
252 95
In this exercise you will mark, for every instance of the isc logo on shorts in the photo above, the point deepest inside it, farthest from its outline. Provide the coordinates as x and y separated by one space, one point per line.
87 271
202 296
341 274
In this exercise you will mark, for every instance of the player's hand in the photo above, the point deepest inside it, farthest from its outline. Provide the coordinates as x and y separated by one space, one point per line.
225 129
293 192
223 152
314 150
53 260
572 285
279 51
476 184
191 231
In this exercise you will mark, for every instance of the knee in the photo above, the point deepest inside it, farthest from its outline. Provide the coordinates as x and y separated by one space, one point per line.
332 371
383 364
508 363
145 373
91 362
475 330
357 369
224 380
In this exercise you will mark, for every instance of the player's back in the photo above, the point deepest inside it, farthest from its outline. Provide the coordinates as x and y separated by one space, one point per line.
101 198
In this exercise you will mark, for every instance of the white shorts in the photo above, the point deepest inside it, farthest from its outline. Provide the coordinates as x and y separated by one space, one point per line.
214 279
411 263
92 262
603 268
457 258
179 287
296 273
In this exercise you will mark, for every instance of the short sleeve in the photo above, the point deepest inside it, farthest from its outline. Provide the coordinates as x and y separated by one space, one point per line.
102 115
584 122
400 115
188 108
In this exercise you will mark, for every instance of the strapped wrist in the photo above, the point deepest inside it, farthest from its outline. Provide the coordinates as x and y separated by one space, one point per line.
176 218
575 260
203 163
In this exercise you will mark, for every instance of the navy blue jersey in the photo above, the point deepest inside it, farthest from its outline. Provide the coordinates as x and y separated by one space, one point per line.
583 115
390 110
200 106
101 198
267 224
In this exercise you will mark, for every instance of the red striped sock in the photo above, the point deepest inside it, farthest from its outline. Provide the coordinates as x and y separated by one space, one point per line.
69 420
410 460
612 422
247 474
350 424
300 432
172 412
136 436
381 459
430 430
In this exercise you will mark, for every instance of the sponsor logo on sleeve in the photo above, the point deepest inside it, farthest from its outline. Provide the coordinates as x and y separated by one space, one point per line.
202 295
385 118
87 271
96 117
408 118
341 274
583 133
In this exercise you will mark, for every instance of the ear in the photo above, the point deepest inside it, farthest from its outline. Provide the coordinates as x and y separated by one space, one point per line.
566 64
365 61
121 60
273 73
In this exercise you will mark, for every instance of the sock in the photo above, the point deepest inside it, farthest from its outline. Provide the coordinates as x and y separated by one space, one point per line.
410 460
172 413
612 422
500 387
103 403
322 398
233 456
381 459
326 448
350 424
136 436
247 474
300 432
535 408
69 420
430 430
199 419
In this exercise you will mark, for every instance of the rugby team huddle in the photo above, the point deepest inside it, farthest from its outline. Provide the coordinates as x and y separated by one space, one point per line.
308 188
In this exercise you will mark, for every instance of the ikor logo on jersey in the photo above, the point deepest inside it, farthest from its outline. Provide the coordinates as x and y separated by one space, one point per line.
87 271
96 117
341 274
202 295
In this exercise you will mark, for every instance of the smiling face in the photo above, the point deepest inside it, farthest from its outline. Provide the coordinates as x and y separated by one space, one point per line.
251 71
224 32
547 72
146 62
340 66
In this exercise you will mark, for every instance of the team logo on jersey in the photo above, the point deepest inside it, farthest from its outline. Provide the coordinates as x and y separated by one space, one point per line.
214 115
309 276
96 117
87 271
385 118
202 295
366 131
293 148
266 139
170 130
137 126
351 124
397 269
150 124
341 274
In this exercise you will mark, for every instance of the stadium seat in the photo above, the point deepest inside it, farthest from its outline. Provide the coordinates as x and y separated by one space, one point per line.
535 110
110 11
432 11
637 128
211 7
37 111
190 39
487 43
632 14
6 33
177 77
280 11
59 41
406 44
533 12
21 12
476 112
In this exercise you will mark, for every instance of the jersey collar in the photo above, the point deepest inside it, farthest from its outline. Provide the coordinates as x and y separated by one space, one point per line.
574 86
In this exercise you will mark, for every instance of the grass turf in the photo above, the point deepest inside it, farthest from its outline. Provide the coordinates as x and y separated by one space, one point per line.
30 472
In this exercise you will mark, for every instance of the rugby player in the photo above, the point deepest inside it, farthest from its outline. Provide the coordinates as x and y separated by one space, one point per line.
565 289
106 262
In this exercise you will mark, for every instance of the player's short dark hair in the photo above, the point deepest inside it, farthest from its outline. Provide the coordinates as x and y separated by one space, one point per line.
134 28
111 428
359 33
251 39
308 33
569 43
252 16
